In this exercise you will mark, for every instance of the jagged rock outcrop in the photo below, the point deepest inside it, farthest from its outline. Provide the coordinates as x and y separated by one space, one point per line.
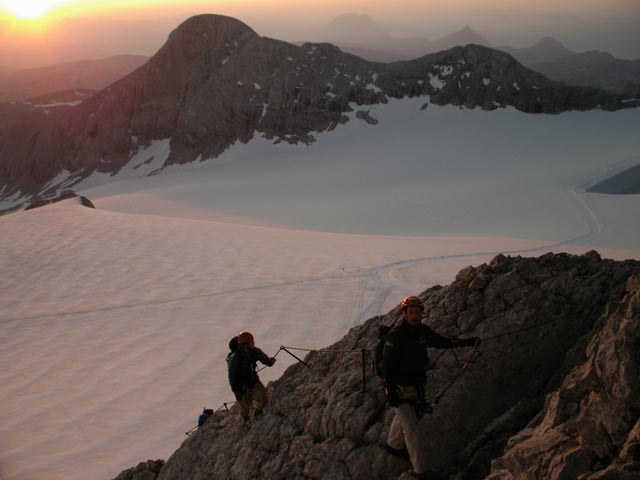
551 392
143 471
589 427
67 194
217 82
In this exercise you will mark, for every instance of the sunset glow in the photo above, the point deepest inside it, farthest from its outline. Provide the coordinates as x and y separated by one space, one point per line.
28 9
36 33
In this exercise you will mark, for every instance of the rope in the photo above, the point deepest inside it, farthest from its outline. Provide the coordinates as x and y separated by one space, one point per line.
325 350
265 366
461 366
553 320
475 355
476 352
363 351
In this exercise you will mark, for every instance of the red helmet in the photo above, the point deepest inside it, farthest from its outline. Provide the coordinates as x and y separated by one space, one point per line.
246 337
412 301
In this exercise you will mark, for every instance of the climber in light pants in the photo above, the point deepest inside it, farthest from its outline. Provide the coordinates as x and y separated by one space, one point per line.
404 366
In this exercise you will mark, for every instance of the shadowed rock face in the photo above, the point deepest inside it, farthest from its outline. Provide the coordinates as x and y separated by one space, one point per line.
589 425
33 147
626 182
216 82
596 69
552 391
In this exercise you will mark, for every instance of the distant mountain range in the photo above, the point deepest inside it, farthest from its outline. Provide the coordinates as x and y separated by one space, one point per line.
354 28
353 33
362 36
26 84
216 82
546 50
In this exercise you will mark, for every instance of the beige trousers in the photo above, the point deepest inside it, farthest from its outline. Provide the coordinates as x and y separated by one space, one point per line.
404 431
256 397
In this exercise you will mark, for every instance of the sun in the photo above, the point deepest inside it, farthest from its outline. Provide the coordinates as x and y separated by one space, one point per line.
28 9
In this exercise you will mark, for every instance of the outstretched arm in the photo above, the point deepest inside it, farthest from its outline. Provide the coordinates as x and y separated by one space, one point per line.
438 341
263 358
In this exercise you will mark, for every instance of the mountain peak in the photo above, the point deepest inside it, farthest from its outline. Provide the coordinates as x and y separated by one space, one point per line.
222 27
549 42
463 36
195 46
354 28
353 16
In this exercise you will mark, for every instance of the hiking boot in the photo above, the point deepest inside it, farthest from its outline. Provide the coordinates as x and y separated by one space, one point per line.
398 452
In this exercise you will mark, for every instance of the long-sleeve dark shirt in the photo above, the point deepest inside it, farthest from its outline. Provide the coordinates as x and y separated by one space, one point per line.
405 356
242 368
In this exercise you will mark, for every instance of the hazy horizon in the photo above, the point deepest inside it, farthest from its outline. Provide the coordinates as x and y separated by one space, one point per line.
88 31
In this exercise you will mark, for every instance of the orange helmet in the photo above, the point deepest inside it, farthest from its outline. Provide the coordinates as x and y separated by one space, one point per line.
246 337
412 301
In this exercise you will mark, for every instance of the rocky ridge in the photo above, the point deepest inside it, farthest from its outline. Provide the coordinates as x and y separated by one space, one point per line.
30 83
551 393
594 68
217 82
545 50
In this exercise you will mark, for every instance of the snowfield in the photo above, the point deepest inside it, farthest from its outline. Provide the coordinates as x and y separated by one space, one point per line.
115 321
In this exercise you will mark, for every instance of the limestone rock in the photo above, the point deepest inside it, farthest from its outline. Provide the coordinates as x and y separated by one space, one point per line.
143 471
41 202
366 116
551 392
590 421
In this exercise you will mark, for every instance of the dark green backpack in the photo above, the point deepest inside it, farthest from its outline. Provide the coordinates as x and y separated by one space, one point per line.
378 349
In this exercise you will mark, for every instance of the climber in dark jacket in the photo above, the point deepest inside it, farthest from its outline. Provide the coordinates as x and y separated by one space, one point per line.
243 377
404 364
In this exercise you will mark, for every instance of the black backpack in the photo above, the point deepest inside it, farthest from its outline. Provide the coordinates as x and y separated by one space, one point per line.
378 349
233 344
206 413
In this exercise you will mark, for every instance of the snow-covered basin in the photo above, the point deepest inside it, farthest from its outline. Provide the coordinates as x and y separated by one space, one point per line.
115 321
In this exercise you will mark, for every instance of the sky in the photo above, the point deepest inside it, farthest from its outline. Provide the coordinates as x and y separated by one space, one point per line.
37 8
37 33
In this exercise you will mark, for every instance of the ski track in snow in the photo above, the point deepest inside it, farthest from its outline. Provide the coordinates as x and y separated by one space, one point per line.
186 298
387 275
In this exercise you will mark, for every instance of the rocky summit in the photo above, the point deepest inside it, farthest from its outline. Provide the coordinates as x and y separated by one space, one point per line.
551 392
216 82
